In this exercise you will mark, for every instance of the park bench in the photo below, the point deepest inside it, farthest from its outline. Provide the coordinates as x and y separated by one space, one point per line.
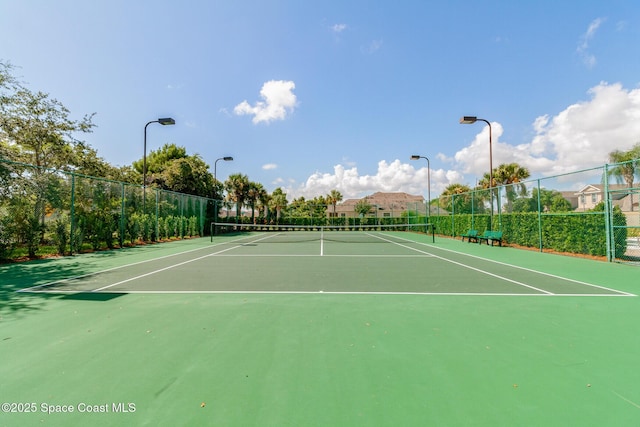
470 235
491 237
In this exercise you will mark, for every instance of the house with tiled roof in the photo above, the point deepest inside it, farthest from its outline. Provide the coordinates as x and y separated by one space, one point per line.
383 205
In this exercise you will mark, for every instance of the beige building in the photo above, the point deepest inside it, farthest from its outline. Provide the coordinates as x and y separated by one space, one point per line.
383 205
592 194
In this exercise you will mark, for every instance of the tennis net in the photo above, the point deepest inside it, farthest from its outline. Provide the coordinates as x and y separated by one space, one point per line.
336 233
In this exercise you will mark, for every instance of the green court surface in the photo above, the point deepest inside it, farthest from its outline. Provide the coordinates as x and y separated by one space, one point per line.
254 330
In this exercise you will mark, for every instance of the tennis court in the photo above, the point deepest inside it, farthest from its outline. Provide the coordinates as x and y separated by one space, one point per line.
319 327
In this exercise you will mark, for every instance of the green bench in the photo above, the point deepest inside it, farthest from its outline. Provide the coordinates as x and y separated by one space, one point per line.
491 237
470 235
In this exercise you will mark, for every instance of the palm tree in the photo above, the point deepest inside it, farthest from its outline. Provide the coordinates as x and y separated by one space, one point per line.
511 175
458 198
264 198
333 198
278 202
253 195
237 186
627 166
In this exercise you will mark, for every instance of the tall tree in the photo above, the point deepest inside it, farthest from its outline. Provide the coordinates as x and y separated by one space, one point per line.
41 128
278 202
37 129
363 207
458 198
263 203
188 175
510 175
333 198
171 168
627 166
254 193
237 186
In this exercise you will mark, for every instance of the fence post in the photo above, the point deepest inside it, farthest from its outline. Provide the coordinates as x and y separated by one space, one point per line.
453 215
72 240
540 244
157 214
608 221
122 211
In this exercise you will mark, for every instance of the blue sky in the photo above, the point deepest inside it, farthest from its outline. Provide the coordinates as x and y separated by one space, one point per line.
316 95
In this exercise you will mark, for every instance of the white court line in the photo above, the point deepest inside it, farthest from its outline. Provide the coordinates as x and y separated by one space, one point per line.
363 293
423 254
325 255
171 266
80 276
463 265
521 268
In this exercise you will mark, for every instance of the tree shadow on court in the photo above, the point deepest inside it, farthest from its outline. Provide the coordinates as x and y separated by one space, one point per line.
17 278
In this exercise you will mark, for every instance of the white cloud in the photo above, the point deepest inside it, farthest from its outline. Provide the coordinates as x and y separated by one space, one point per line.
578 138
585 133
338 28
583 47
395 176
269 166
278 101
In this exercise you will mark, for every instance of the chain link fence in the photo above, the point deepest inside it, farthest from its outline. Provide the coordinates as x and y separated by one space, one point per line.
72 212
589 213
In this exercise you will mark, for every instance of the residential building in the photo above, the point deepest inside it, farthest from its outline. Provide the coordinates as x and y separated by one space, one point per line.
383 205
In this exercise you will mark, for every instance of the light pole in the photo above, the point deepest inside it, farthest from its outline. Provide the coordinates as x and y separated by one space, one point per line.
215 164
164 122
215 180
468 120
428 215
417 157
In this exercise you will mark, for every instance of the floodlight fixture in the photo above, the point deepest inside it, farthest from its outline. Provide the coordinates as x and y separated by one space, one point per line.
167 121
468 120
164 122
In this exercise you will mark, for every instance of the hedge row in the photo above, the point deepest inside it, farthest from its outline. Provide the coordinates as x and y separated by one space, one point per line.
577 233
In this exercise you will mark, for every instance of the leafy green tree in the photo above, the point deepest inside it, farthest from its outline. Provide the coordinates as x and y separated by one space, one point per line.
551 200
158 160
188 175
363 207
38 130
171 168
42 129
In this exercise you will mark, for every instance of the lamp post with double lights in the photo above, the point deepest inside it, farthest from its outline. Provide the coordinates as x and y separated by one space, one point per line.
468 120
164 122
